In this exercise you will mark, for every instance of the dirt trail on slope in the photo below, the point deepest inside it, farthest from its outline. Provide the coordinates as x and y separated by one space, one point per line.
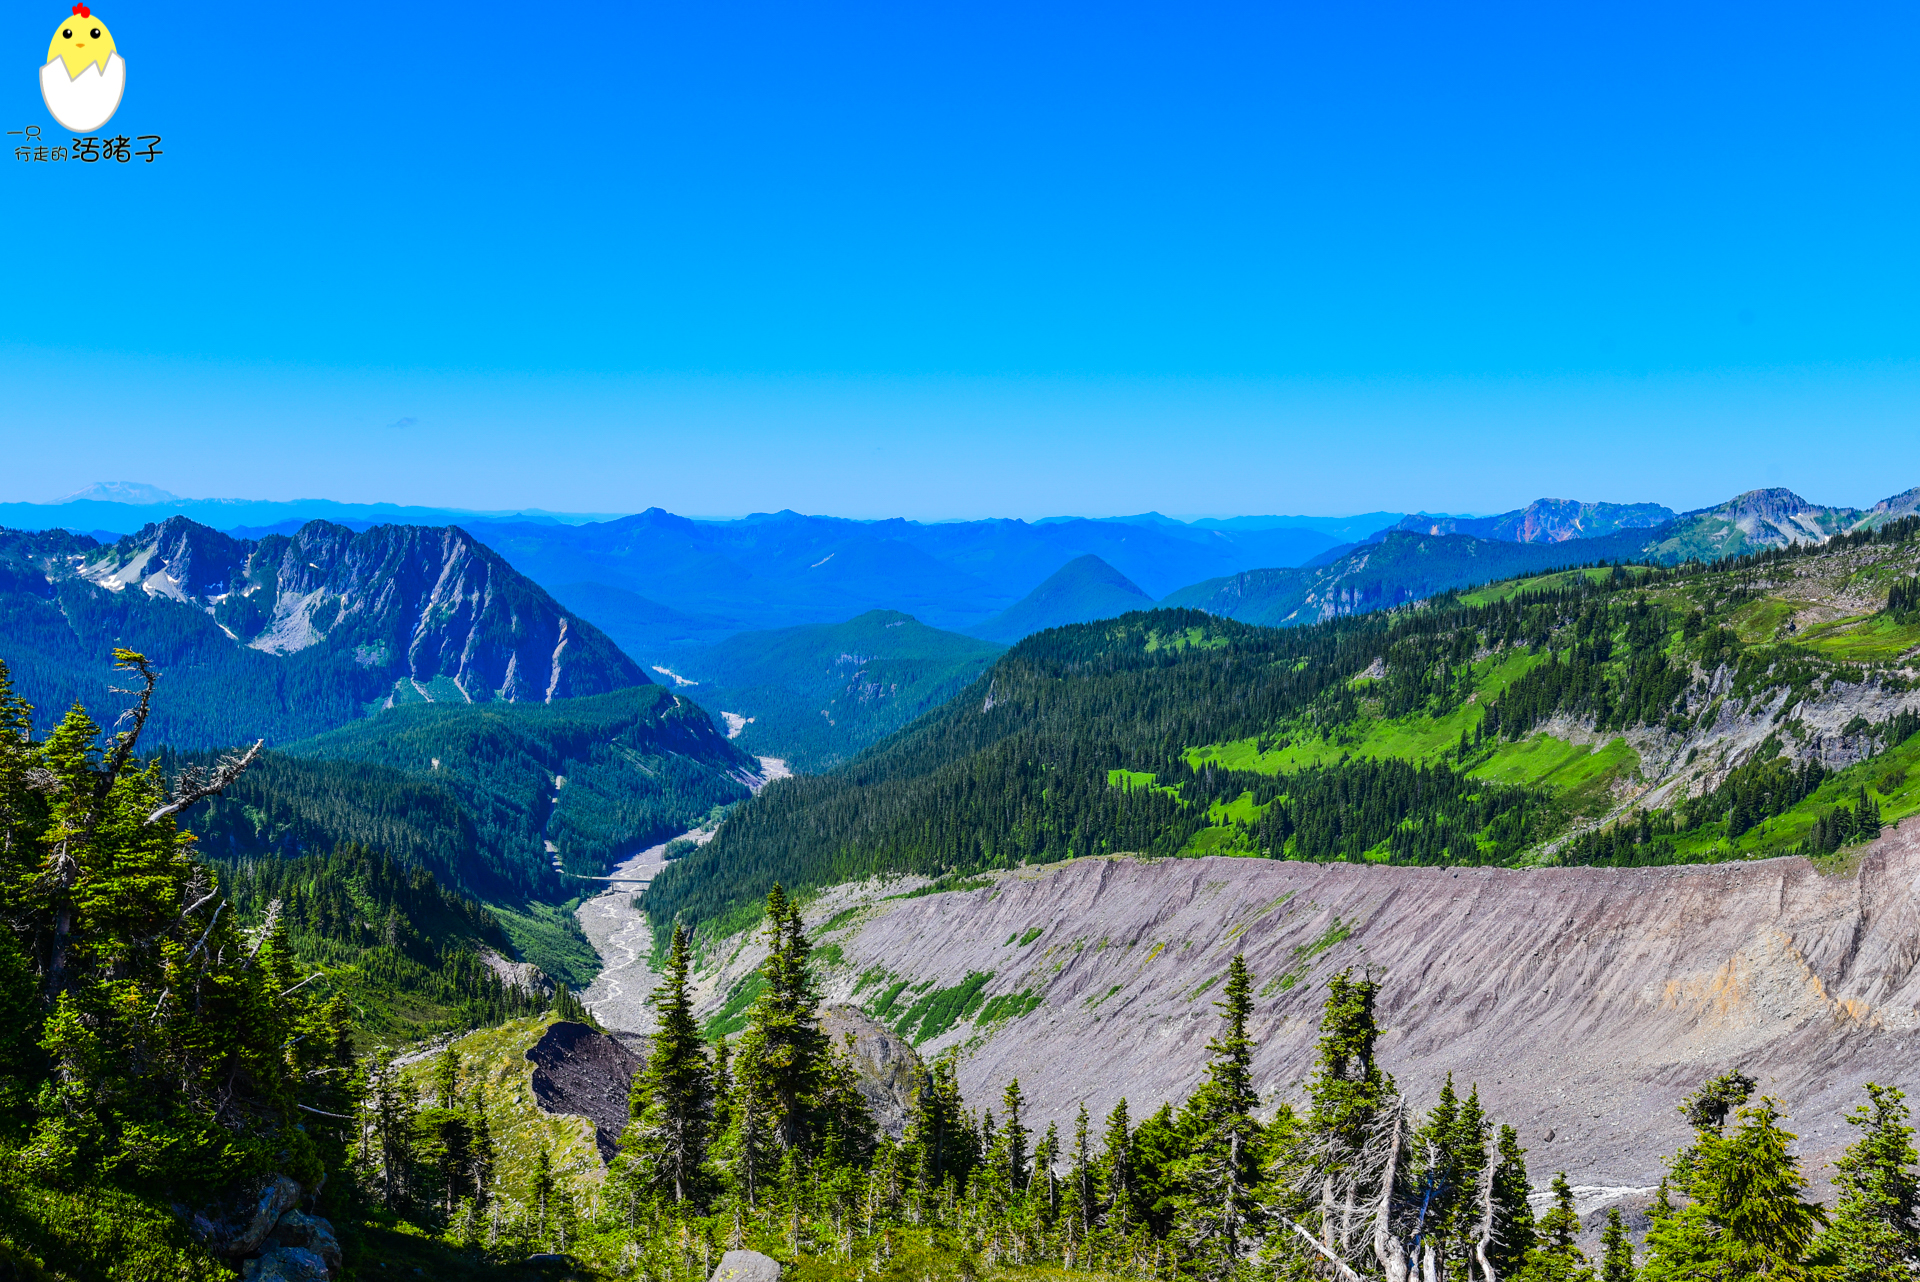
1584 1002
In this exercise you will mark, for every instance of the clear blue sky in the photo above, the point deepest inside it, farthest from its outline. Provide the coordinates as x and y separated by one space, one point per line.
981 259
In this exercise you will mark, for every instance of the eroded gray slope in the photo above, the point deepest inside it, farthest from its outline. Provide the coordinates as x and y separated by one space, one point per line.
1583 1001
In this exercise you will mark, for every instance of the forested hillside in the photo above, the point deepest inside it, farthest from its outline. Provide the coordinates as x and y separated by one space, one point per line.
1465 730
406 951
500 803
162 1065
585 779
287 636
818 694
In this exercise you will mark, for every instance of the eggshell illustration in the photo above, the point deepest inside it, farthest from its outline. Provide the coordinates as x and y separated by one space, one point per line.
88 100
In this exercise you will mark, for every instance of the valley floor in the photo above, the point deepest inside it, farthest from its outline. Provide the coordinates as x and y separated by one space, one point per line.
620 934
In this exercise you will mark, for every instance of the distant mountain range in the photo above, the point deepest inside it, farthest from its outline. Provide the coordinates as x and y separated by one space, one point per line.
1408 566
1542 521
664 588
287 636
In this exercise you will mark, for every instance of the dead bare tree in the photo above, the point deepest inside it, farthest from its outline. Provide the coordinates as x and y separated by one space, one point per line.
1366 1226
197 783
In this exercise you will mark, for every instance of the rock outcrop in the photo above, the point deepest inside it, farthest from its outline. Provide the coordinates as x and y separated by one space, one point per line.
884 1060
241 1228
586 1073
746 1266
1583 1002
268 1238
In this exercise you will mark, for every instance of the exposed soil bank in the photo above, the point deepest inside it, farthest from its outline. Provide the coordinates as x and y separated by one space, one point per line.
1584 1002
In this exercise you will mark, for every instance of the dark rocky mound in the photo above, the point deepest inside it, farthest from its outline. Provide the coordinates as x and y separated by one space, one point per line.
585 1073
884 1061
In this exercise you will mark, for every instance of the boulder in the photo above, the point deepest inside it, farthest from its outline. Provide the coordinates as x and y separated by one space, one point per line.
286 1264
308 1233
243 1229
884 1060
746 1266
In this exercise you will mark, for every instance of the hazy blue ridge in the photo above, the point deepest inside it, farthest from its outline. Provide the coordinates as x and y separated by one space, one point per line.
1084 589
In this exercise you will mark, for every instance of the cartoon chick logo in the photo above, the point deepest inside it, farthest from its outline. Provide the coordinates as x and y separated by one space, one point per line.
84 76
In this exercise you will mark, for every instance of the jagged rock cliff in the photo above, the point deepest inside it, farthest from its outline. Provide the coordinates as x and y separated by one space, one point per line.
431 606
1584 1002
289 635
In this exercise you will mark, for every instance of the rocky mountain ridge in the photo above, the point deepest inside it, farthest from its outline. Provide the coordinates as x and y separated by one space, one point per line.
289 635
433 604
1543 521
1422 556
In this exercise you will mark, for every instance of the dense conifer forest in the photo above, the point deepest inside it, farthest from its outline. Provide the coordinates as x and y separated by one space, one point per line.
405 950
1098 738
157 1056
478 794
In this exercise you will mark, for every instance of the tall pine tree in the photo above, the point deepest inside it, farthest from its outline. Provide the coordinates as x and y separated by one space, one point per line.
672 1095
1875 1234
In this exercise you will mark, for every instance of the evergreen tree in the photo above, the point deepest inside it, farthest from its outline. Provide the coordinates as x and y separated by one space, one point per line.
1119 1193
1042 1184
386 1144
1514 1233
480 1152
1158 1150
1082 1199
1467 1157
1439 1172
1875 1234
846 1132
780 1056
1220 1174
1349 1087
935 1141
1616 1250
1009 1156
1745 1218
542 1188
1557 1258
671 1101
446 1078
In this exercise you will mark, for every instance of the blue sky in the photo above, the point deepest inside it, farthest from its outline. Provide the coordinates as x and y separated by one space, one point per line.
986 260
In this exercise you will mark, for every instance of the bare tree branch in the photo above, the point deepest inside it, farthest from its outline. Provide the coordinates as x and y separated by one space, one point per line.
197 783
123 744
1346 1270
209 930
